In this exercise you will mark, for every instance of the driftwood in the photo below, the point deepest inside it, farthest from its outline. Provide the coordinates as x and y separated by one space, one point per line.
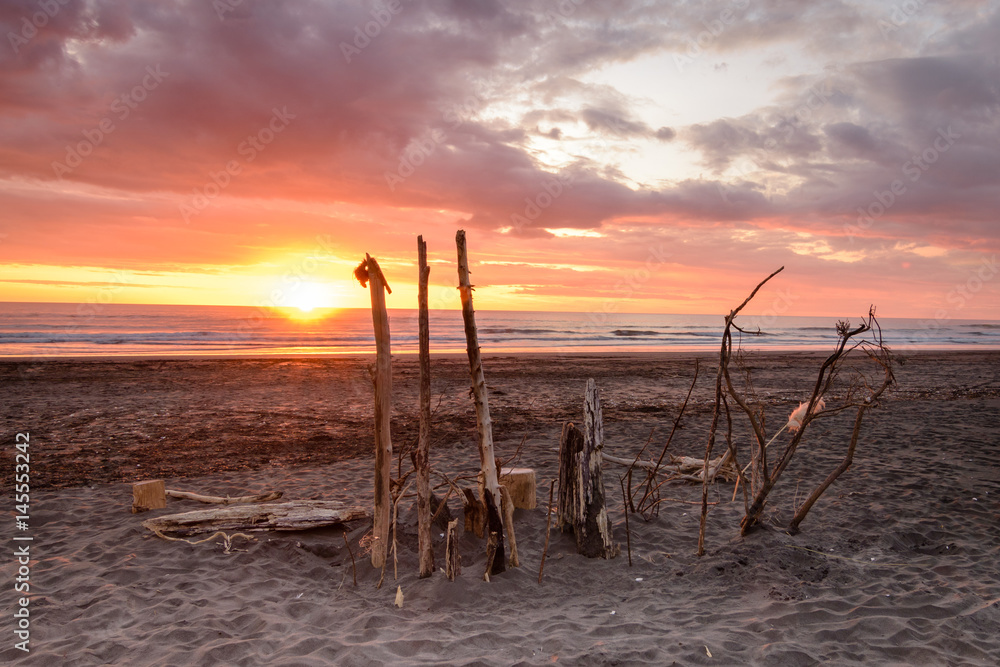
687 468
474 513
628 531
581 483
440 514
520 482
881 356
863 394
570 445
649 503
148 495
548 531
452 558
489 488
421 457
228 500
294 515
369 270
725 354
507 504
814 408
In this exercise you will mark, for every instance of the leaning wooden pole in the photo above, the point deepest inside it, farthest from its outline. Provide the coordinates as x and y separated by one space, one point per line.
421 459
489 489
369 271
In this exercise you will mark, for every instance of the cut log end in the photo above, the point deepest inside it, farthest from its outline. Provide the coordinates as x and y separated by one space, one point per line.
520 482
148 495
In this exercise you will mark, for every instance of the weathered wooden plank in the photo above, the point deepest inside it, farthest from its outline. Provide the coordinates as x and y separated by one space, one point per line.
293 515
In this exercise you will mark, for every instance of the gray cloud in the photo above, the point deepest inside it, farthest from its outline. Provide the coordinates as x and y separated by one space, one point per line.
833 139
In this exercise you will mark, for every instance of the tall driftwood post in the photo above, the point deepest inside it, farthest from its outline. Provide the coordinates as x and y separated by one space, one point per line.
369 271
582 506
489 488
567 503
421 459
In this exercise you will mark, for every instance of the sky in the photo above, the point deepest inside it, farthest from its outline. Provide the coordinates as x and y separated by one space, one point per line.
602 156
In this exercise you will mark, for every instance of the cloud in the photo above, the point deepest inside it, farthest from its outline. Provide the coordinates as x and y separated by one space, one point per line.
482 114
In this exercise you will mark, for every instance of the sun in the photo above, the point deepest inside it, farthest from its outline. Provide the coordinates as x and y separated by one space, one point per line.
307 297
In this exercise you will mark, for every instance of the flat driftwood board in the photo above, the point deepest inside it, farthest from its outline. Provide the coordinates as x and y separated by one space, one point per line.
294 515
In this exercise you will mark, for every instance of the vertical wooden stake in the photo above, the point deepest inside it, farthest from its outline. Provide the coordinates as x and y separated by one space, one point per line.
354 566
582 506
508 519
594 540
489 484
628 533
369 271
452 558
548 532
569 505
422 458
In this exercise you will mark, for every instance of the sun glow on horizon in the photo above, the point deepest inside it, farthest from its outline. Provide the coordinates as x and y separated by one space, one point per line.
307 297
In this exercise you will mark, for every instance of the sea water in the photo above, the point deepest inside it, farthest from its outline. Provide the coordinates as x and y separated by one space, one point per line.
53 329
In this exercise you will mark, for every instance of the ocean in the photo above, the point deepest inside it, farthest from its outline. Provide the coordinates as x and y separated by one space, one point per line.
77 330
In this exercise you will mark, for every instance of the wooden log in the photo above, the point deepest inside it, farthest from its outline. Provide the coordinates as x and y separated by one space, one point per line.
687 468
568 505
228 500
421 458
475 514
489 483
507 504
370 271
520 482
294 515
593 537
581 483
148 495
452 558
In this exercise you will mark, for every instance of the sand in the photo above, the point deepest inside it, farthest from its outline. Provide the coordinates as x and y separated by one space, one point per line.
896 564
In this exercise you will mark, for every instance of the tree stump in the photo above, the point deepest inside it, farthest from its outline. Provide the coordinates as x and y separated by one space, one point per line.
520 482
581 506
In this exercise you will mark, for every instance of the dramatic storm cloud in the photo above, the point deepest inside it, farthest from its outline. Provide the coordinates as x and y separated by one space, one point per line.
195 150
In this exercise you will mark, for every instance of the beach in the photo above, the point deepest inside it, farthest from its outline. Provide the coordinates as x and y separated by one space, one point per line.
896 564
